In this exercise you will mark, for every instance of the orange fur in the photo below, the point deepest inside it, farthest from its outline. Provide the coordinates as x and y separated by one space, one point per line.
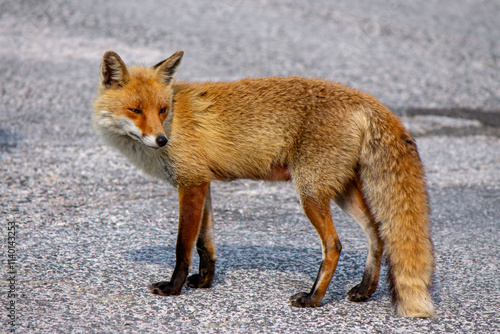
332 141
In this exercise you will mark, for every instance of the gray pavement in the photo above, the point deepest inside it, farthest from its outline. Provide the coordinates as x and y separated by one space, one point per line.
91 232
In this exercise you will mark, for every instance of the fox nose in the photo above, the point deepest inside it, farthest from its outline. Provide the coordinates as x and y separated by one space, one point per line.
161 141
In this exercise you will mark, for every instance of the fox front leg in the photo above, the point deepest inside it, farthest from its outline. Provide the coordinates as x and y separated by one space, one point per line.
191 206
206 249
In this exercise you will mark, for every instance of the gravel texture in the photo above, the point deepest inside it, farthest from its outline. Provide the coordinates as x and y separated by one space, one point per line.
92 232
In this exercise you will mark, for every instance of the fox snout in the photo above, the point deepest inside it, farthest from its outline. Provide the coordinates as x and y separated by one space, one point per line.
153 141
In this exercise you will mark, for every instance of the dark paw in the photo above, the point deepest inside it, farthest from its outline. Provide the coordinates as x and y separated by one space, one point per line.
358 294
164 289
303 299
198 281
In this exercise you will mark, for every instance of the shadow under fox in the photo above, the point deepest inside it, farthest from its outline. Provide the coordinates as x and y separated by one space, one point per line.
333 142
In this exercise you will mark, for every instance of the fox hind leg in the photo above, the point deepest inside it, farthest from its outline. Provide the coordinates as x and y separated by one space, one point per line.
353 203
318 212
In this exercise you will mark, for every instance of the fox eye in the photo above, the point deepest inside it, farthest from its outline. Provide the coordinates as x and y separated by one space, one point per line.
136 111
163 110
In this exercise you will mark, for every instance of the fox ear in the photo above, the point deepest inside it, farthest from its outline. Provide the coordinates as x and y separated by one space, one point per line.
166 69
113 70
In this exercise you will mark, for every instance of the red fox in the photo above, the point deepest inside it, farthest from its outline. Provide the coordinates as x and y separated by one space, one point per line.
333 142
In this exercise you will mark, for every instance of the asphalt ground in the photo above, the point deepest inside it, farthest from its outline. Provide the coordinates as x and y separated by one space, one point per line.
92 232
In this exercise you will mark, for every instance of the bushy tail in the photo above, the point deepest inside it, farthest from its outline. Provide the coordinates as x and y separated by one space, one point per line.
394 186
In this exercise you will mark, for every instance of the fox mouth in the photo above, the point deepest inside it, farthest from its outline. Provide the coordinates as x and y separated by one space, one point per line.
153 147
134 136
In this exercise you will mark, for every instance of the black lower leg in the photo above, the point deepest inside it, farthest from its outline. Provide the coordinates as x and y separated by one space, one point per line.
205 276
368 285
174 286
311 299
364 290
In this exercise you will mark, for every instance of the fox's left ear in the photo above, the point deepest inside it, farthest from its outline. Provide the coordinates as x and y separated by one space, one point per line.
166 69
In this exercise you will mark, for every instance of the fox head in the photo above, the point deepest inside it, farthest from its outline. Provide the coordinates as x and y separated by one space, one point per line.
134 102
